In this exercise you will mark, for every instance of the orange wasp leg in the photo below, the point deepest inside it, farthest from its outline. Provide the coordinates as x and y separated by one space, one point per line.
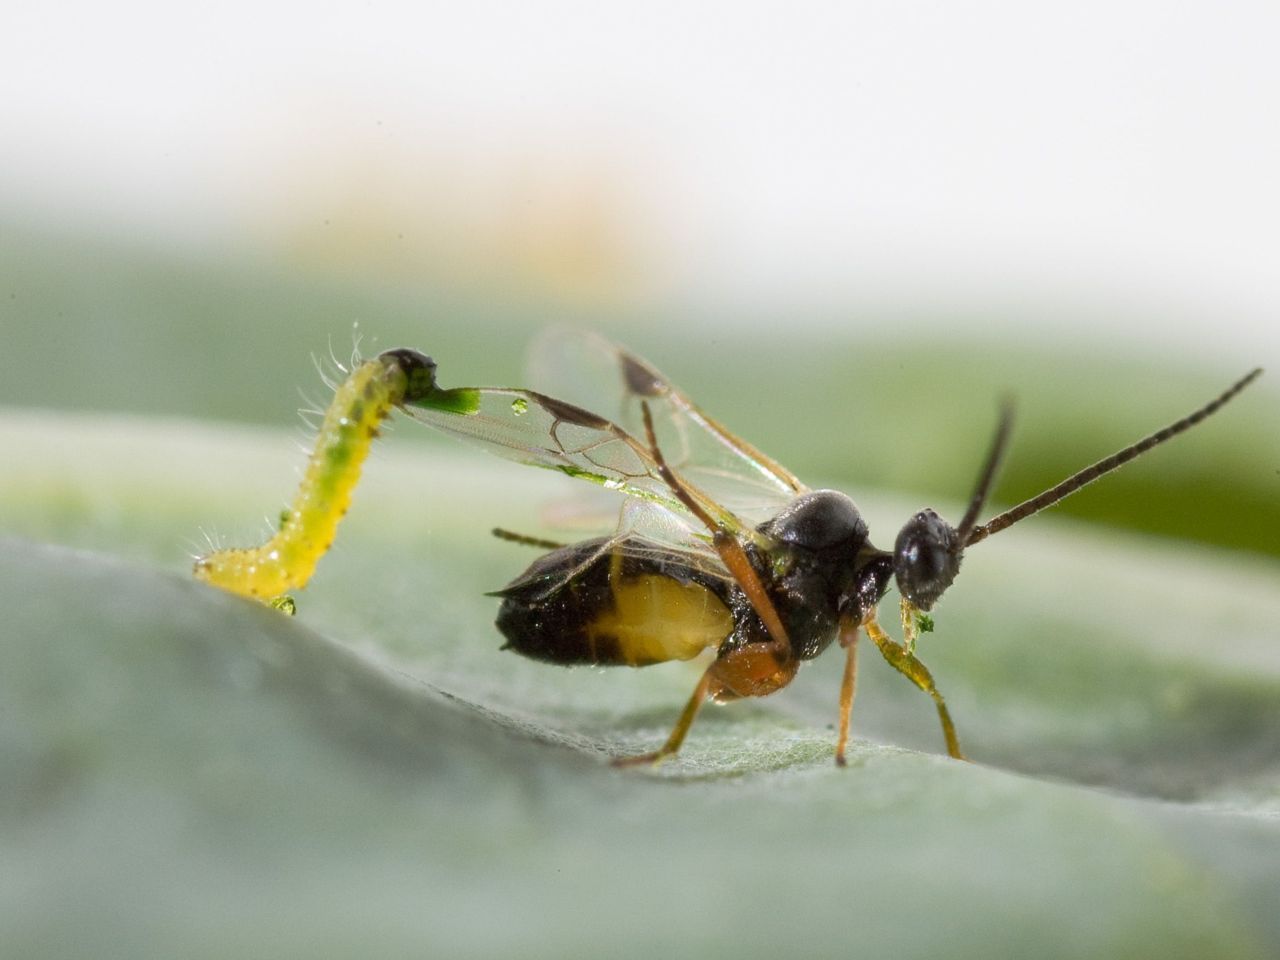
848 686
909 665
678 732
754 670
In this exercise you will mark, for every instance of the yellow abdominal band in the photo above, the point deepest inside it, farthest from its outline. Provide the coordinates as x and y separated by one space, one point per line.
287 560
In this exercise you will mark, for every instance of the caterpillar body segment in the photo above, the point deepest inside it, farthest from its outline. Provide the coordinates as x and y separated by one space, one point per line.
360 404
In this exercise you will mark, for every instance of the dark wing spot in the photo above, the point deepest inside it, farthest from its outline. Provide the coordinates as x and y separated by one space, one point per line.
568 413
642 379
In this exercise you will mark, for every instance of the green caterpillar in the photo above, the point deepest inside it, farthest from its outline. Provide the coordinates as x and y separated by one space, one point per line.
360 404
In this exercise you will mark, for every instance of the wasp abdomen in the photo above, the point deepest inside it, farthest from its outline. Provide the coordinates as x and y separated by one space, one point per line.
592 603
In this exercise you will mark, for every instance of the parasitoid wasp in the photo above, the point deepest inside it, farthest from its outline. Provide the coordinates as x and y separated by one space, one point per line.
718 546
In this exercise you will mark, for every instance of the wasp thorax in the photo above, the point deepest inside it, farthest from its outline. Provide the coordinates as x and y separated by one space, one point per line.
926 558
819 521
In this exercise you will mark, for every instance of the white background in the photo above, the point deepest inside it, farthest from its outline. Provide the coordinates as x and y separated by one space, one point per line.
1102 169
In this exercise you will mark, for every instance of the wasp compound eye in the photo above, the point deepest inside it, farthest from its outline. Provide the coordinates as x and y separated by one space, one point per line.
926 558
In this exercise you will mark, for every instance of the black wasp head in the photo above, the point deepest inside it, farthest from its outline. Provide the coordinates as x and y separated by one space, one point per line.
926 558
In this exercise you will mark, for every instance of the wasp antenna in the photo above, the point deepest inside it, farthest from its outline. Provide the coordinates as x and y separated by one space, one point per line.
988 475
511 536
1106 465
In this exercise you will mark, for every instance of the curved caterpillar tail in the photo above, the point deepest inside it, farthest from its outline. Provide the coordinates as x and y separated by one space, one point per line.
307 527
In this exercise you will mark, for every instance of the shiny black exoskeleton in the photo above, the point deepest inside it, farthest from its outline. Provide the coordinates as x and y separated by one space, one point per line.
817 566
821 568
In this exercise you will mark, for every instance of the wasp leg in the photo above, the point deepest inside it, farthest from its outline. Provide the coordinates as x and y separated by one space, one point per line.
755 670
524 539
726 544
909 665
910 630
848 687
678 732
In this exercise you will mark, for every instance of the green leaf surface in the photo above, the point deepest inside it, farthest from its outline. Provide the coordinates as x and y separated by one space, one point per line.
184 773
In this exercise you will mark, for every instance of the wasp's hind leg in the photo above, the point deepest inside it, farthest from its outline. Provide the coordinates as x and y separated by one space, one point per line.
910 666
753 670
678 732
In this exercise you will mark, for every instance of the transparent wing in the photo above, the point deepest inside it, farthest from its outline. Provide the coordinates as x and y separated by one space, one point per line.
539 430
650 530
589 369
645 531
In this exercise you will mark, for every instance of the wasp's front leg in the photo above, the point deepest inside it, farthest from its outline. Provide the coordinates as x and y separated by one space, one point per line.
910 666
